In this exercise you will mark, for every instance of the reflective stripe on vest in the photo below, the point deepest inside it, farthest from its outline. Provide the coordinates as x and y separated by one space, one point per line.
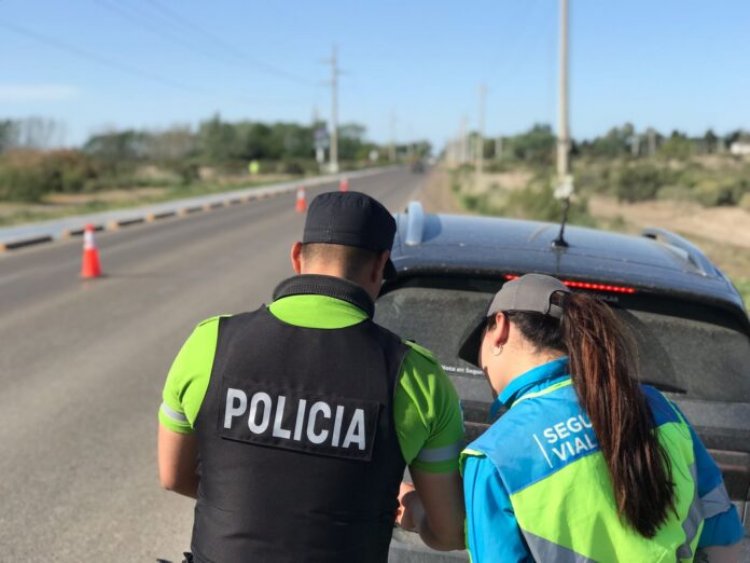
559 385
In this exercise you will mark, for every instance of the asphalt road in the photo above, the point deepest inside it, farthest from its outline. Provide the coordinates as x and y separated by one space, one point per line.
83 363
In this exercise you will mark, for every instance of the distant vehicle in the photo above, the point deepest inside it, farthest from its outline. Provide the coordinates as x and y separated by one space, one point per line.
691 326
417 166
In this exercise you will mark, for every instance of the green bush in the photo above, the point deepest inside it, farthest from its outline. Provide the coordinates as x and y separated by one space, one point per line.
23 176
68 170
293 167
497 166
593 179
677 147
474 202
676 193
21 184
187 171
537 201
128 182
30 175
713 192
639 182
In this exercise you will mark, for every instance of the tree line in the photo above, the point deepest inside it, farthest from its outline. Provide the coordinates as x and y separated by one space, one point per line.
629 164
30 168
538 144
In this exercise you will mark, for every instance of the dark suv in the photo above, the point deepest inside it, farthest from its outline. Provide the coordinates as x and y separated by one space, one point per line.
690 323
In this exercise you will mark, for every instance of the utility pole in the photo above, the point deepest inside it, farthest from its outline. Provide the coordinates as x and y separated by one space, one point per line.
319 136
651 141
480 139
564 189
563 134
334 155
464 141
392 148
635 147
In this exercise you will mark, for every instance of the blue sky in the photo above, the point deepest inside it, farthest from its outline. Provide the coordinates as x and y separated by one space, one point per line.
102 64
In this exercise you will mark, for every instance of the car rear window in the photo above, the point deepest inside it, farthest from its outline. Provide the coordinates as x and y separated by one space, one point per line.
694 358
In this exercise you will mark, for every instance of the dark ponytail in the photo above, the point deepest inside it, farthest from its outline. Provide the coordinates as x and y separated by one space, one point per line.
603 369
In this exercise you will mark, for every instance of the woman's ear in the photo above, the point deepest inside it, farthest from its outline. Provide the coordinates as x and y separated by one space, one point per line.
501 331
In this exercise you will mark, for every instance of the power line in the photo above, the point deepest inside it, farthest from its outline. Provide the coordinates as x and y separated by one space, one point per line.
131 15
512 55
104 61
180 20
175 19
122 67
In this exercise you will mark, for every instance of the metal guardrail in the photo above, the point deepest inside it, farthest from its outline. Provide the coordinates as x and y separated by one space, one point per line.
56 229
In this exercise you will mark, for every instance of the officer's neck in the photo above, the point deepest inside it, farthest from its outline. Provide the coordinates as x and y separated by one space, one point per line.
370 285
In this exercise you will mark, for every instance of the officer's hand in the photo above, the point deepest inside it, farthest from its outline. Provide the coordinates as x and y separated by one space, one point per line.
410 509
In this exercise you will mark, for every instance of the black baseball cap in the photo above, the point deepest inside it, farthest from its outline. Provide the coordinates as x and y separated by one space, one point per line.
530 293
351 219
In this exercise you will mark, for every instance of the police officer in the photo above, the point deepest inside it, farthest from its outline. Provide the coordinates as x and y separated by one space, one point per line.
586 465
292 425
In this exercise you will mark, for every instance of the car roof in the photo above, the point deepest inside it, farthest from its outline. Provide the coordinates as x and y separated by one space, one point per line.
658 261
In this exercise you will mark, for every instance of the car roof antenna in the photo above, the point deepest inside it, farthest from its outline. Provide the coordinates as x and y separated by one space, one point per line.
563 191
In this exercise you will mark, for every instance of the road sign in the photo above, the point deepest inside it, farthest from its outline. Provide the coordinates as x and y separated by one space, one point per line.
322 139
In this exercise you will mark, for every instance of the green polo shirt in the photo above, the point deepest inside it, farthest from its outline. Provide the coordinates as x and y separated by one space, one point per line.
426 409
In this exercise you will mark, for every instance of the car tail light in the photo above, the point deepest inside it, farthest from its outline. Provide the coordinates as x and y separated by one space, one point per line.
588 285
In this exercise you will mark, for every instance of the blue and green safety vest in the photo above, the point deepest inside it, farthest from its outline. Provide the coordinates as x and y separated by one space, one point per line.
537 486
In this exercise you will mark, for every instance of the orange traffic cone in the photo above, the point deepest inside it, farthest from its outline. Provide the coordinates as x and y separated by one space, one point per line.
344 185
90 268
301 206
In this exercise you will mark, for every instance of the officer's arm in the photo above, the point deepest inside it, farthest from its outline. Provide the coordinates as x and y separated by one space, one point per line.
437 509
178 462
719 554
429 424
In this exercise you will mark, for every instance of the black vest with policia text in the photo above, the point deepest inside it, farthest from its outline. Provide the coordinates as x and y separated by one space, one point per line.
298 456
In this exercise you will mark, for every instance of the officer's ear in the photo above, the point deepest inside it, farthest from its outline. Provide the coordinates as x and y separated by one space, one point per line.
296 257
378 266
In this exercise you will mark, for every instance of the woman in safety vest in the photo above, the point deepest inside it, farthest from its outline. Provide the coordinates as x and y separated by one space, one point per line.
586 464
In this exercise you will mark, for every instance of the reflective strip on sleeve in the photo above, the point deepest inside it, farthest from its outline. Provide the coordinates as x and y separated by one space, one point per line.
546 550
715 501
693 521
173 414
444 453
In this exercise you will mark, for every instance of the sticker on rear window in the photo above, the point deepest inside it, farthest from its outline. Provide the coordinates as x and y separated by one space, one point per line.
466 370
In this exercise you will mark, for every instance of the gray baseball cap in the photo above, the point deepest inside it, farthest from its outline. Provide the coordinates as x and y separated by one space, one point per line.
530 293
